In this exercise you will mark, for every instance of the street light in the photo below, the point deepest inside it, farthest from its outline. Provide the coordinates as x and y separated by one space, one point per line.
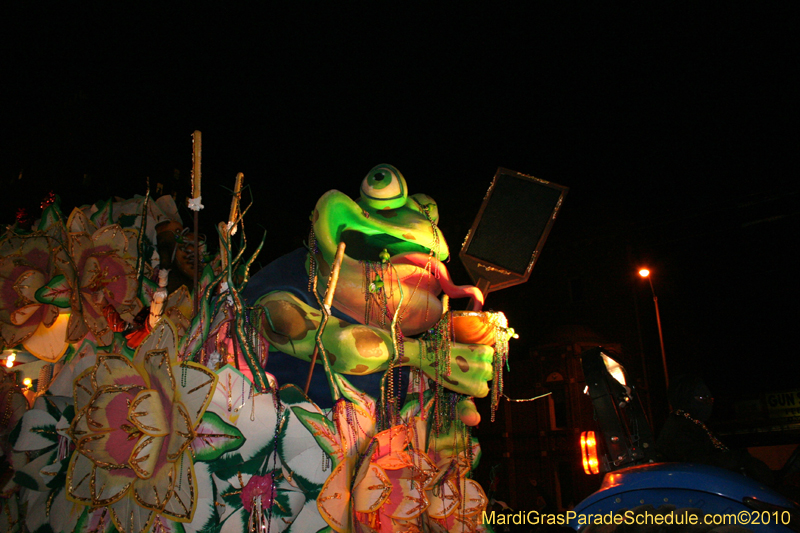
645 273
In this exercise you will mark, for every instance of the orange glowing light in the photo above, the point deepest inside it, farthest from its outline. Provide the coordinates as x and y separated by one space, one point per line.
591 465
644 272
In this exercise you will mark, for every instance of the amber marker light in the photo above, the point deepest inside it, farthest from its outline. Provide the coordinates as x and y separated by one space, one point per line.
589 453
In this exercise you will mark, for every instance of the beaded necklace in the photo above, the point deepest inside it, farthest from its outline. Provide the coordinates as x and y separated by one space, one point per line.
714 440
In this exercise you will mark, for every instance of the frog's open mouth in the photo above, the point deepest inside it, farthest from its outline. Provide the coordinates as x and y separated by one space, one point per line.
363 247
439 271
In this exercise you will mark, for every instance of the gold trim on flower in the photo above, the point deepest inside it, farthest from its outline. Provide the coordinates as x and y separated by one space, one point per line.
134 424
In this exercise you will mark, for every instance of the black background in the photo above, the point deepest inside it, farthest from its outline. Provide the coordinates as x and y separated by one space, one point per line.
680 118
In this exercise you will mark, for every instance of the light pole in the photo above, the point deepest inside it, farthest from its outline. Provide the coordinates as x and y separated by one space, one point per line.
645 273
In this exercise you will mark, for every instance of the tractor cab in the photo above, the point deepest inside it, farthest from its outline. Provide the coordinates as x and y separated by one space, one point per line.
639 486
625 438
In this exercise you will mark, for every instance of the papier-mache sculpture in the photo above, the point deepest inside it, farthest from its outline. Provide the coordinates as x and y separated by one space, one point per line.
125 409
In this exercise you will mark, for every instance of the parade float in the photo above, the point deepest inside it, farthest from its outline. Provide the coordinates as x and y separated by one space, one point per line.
146 387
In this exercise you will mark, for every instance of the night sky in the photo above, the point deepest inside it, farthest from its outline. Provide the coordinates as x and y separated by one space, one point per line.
679 118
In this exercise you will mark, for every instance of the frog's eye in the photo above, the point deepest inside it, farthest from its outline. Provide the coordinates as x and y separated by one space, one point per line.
384 188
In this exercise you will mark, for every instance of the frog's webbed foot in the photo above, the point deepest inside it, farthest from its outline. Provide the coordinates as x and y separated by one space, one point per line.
470 369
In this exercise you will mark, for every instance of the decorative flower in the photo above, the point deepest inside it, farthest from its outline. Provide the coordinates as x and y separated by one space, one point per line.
389 489
277 447
102 273
259 488
344 439
455 501
133 427
26 266
410 480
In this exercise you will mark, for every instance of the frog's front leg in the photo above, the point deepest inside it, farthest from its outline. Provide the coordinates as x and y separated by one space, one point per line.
291 327
470 369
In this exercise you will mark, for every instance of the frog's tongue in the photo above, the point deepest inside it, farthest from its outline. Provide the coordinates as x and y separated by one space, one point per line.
439 271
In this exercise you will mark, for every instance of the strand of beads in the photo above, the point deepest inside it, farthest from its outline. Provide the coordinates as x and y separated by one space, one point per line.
714 440
279 421
502 333
438 341
313 249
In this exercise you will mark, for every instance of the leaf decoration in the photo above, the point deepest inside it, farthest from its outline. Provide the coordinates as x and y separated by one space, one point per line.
103 215
358 397
254 415
148 289
206 278
215 437
51 215
196 335
95 520
230 466
303 460
37 431
323 430
29 475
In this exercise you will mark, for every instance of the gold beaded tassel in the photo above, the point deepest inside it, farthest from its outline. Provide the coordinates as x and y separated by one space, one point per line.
502 334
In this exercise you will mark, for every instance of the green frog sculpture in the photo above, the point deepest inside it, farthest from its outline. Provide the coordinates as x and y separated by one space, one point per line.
387 296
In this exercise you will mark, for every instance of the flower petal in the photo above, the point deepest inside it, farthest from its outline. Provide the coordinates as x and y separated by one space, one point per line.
473 497
195 387
116 370
78 427
111 237
394 461
181 434
91 485
443 497
49 343
333 501
14 335
154 492
162 339
183 499
354 425
77 328
108 408
110 449
79 223
128 517
407 500
145 455
83 389
372 490
21 315
28 283
147 412
158 371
